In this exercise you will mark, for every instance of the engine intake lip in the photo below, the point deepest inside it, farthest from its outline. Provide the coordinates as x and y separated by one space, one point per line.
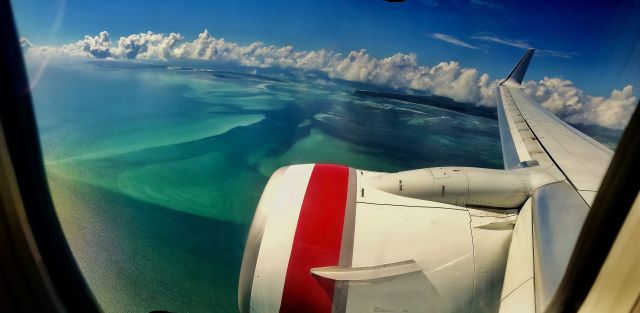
254 240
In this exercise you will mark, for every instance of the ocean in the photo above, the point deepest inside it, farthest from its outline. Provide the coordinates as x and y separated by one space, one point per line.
155 170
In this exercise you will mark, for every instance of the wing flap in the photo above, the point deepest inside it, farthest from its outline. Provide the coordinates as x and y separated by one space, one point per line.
558 213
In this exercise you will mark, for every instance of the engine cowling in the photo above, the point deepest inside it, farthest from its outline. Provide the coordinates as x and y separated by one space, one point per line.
298 225
329 238
465 186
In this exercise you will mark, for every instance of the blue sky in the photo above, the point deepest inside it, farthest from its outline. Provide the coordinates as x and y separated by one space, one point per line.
595 45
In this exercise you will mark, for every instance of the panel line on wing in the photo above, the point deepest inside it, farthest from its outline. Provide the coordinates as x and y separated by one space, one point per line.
519 144
578 158
546 153
548 117
528 140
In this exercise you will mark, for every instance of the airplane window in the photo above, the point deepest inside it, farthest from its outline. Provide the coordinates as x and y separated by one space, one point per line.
407 151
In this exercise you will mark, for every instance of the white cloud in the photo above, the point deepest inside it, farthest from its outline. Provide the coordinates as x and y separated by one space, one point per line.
146 46
25 43
504 41
556 53
490 4
570 103
452 40
522 44
400 71
97 46
487 90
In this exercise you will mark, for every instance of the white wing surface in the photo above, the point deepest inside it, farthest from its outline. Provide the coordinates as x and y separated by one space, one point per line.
531 135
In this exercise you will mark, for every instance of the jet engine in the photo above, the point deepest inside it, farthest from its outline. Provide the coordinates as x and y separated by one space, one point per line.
329 238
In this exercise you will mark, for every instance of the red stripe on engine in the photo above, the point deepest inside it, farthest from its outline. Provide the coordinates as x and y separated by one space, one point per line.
316 241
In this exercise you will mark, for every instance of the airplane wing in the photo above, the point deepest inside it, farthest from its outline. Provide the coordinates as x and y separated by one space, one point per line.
330 238
532 135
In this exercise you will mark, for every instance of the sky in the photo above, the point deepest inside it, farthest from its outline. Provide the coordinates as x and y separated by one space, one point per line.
594 46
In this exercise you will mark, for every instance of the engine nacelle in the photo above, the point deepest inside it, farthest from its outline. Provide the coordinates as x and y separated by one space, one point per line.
464 186
329 238
298 225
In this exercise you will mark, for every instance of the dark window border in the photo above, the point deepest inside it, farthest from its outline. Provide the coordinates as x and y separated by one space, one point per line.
24 278
71 292
613 201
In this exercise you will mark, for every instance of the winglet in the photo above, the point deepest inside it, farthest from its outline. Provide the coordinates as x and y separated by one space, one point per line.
517 74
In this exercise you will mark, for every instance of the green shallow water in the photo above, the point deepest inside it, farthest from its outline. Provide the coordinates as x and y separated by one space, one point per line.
155 173
139 257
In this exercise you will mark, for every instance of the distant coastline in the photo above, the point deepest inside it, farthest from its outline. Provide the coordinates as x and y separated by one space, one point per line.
434 101
607 136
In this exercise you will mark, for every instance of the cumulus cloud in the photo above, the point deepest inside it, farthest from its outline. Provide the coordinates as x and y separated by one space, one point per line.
570 103
452 40
400 71
146 46
97 46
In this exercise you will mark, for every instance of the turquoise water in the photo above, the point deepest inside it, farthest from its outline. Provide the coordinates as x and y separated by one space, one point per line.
155 172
